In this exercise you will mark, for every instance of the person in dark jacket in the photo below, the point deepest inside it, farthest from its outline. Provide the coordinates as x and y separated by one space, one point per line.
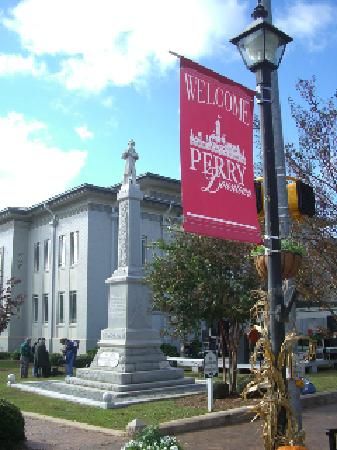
69 354
41 358
33 352
25 355
36 369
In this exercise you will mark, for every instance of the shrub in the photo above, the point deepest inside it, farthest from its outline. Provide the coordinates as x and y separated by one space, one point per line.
5 355
56 359
15 355
194 348
83 361
150 438
286 245
169 350
12 425
92 352
243 381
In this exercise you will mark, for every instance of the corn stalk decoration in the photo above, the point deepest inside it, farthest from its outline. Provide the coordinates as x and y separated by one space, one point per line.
269 379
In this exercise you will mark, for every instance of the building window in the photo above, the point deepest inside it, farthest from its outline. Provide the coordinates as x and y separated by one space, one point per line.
72 306
45 307
62 251
60 308
36 256
35 308
144 250
46 255
74 247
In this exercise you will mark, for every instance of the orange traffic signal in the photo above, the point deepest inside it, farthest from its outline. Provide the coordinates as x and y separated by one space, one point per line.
301 198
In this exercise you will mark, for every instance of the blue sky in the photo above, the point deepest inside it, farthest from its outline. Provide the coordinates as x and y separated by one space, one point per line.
79 78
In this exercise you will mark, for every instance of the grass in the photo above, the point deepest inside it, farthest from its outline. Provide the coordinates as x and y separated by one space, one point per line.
151 413
8 364
324 380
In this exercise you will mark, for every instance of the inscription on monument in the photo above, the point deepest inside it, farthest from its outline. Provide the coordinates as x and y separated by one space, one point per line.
117 307
106 334
108 359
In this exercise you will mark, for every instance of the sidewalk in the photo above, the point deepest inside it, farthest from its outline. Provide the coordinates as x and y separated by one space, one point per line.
249 436
54 435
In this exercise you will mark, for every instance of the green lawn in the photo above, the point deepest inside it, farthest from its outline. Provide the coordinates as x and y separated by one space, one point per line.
152 413
324 380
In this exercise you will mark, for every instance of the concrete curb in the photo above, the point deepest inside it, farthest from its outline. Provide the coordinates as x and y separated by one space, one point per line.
238 415
74 424
209 420
320 398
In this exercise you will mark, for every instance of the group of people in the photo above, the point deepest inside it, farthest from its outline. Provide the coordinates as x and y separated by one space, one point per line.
38 354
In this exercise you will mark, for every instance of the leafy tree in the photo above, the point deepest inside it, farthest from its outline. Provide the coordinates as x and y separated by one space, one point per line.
8 304
314 160
198 278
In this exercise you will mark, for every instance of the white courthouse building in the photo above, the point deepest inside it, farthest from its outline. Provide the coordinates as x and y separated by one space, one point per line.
64 249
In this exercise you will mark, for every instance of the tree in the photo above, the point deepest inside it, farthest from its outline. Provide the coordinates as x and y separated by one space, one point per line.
314 160
8 304
197 278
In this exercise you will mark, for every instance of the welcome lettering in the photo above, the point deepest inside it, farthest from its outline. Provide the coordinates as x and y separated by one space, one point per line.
203 92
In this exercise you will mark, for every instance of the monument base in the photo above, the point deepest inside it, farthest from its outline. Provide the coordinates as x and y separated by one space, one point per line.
127 372
124 371
101 397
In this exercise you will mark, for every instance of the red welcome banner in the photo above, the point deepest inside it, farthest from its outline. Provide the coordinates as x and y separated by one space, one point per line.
216 140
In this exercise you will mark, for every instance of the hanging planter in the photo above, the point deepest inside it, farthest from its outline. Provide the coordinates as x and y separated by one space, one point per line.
291 259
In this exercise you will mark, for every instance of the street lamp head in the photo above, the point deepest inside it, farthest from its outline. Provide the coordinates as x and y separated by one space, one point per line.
261 44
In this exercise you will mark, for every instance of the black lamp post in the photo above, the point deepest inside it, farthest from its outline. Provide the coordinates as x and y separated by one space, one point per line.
262 46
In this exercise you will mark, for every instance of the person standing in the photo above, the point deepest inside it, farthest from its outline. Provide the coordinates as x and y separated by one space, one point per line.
44 359
36 367
69 353
25 355
41 358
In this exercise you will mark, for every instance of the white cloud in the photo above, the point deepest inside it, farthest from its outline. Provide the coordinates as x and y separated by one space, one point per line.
309 21
31 169
114 42
15 64
108 102
84 133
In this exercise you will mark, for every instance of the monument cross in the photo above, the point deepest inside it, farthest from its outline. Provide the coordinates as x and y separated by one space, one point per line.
130 156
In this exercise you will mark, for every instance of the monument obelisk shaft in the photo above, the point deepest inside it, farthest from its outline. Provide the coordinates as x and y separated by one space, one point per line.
129 349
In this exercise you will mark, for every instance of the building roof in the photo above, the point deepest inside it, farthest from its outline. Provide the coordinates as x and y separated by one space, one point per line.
145 180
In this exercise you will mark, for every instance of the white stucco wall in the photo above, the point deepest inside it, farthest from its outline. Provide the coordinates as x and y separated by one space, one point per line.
102 260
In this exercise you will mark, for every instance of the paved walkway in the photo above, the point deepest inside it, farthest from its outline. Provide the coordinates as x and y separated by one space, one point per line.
47 435
248 435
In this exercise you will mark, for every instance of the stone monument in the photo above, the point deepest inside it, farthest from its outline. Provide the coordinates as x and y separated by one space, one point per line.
129 366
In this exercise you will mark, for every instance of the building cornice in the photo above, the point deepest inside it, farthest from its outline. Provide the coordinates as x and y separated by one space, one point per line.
86 190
